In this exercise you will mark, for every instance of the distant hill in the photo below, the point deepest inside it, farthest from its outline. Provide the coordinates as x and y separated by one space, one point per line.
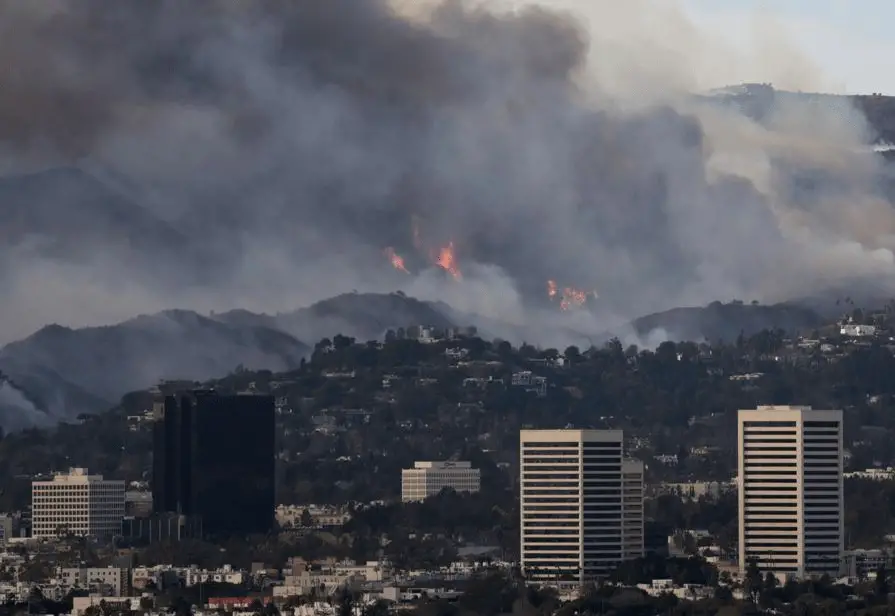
72 371
880 114
64 372
756 99
365 316
719 321
58 373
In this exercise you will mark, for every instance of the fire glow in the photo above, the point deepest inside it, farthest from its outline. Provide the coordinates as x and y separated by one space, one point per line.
569 297
447 261
396 260
444 257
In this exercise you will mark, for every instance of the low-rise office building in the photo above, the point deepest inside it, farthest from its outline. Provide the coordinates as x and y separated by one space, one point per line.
77 503
427 479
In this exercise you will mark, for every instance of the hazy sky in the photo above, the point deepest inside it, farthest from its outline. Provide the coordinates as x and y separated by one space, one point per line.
848 41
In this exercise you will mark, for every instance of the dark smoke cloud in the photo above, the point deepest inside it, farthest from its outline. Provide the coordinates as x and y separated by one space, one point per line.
287 143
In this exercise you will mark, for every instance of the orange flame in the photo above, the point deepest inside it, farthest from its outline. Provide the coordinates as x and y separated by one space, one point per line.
572 298
447 261
396 260
569 297
445 257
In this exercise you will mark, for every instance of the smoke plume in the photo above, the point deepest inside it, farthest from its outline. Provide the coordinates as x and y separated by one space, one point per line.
268 154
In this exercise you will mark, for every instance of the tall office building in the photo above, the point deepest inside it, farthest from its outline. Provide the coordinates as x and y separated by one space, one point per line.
213 458
581 504
790 496
79 503
427 479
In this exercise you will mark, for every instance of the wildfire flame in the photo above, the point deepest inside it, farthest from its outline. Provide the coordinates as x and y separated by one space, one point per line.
572 298
551 289
444 257
569 297
396 260
447 261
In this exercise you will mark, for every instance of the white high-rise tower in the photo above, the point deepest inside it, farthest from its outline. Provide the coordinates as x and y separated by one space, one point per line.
581 504
790 490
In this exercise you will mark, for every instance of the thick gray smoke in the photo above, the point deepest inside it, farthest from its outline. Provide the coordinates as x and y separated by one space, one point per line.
265 155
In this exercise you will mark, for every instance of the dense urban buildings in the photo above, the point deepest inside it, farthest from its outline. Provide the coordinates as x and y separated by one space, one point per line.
213 458
791 490
426 479
78 503
581 514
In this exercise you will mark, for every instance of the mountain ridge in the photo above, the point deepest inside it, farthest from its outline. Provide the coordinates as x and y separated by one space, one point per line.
65 372
719 321
70 371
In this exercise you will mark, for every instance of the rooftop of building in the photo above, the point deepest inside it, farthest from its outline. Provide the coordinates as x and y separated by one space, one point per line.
442 465
785 409
75 475
567 435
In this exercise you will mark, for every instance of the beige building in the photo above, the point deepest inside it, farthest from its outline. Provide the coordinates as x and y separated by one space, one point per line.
427 479
581 504
322 516
632 509
80 503
790 490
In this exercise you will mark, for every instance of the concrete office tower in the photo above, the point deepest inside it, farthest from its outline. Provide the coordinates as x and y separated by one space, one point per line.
79 503
427 479
790 490
579 504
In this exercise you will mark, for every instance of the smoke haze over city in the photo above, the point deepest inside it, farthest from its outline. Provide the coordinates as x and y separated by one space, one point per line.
514 159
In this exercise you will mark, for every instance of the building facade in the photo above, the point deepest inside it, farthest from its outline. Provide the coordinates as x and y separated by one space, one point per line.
5 529
106 581
632 509
214 457
581 504
791 490
78 503
161 527
426 479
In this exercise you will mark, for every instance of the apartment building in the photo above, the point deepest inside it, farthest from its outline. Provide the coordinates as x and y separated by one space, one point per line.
790 496
78 503
426 479
581 504
106 581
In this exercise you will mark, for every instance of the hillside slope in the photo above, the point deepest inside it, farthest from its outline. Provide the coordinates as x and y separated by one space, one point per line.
58 373
725 322
72 371
365 316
